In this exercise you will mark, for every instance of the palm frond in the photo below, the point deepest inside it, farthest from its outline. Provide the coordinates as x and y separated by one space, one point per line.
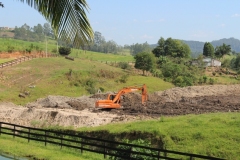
1 4
67 17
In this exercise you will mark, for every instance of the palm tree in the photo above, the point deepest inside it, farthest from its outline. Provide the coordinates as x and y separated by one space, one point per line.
220 51
67 17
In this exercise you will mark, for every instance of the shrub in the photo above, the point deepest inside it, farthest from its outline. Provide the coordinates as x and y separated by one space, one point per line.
200 80
211 81
136 149
54 50
124 65
64 51
204 79
10 49
123 78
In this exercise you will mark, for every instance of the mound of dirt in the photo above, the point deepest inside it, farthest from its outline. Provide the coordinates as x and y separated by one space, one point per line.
80 111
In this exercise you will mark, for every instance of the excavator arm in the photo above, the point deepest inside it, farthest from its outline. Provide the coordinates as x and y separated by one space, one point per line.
113 101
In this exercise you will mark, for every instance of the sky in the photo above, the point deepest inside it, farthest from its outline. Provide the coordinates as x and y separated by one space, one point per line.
139 21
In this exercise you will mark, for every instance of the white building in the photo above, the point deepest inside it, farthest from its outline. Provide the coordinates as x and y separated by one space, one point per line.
211 62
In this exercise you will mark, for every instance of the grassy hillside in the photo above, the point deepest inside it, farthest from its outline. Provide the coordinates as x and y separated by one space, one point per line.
215 134
59 76
19 45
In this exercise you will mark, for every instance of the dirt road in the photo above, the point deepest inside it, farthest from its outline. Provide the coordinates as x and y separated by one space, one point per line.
80 111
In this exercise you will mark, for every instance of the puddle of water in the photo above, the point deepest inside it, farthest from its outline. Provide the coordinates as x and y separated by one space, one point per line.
4 156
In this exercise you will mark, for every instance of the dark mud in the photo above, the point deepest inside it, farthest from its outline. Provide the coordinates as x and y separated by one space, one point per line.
157 106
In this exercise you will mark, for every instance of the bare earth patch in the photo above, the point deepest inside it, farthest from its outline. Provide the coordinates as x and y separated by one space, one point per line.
80 111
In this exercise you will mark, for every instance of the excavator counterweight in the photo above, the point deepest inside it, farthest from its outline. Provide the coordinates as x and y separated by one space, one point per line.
113 100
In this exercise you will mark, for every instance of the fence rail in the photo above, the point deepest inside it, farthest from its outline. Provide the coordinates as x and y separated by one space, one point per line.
83 143
25 58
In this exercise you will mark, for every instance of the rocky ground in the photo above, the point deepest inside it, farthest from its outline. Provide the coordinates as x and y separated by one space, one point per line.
80 111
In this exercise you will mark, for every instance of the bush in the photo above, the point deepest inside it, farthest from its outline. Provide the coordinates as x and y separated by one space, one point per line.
124 65
211 81
64 51
10 49
136 149
200 80
124 78
183 81
54 50
204 79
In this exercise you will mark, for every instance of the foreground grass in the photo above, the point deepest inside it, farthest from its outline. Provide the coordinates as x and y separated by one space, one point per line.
21 148
215 134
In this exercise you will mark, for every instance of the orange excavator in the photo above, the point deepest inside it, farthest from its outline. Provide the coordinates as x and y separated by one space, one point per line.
113 100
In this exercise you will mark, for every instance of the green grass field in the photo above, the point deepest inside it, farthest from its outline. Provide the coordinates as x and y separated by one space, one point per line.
21 148
215 134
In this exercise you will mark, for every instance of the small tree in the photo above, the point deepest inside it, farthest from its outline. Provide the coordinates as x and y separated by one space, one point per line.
208 50
64 51
144 61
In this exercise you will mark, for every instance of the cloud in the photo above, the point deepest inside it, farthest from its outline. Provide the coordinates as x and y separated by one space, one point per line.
236 15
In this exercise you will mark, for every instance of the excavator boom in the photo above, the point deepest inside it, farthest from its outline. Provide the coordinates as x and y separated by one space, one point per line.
113 100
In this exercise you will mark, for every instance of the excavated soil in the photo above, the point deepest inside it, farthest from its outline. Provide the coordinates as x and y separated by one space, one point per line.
80 111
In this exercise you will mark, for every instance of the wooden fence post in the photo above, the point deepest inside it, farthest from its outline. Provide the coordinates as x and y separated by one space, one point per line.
45 138
0 128
158 155
81 145
61 140
165 154
130 154
14 131
28 135
104 150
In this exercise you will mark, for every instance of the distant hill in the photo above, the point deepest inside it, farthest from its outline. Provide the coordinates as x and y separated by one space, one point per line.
197 46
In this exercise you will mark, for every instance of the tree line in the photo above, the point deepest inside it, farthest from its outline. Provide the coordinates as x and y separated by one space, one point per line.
171 60
34 34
